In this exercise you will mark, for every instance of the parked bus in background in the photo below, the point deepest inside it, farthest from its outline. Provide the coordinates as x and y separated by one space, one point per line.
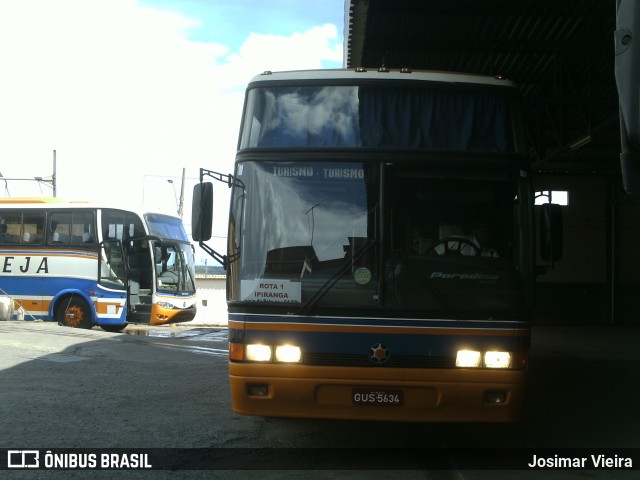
82 266
381 257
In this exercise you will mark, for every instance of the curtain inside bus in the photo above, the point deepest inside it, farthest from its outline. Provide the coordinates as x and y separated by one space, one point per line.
434 120
377 117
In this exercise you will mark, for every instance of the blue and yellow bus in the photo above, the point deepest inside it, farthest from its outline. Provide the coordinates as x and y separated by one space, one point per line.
82 265
381 257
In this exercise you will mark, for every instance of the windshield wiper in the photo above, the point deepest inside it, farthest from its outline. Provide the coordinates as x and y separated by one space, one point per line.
186 282
328 285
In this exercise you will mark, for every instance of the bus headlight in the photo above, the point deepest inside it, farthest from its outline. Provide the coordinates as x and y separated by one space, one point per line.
288 353
258 353
165 305
468 358
497 359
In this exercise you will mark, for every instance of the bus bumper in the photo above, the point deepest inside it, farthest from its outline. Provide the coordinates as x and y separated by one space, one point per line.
163 315
405 395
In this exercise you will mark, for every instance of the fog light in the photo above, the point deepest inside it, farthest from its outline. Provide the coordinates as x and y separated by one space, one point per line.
258 390
468 358
497 359
288 353
258 353
496 397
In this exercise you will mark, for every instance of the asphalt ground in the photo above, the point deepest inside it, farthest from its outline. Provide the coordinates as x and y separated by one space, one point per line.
61 387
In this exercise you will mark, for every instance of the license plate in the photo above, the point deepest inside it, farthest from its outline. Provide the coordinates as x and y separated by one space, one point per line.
377 397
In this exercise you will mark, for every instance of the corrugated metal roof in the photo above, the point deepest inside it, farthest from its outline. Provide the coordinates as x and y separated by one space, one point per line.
560 53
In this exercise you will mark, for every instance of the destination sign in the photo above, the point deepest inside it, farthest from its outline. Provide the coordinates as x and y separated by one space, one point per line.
267 290
347 173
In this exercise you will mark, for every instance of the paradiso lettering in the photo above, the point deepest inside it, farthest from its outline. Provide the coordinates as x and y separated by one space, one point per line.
25 265
308 171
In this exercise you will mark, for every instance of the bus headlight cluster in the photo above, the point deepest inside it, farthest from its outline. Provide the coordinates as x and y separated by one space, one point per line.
266 353
165 305
488 359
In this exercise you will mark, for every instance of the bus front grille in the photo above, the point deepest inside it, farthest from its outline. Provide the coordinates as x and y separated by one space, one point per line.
396 361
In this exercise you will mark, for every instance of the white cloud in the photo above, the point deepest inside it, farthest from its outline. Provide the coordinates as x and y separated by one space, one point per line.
124 97
305 50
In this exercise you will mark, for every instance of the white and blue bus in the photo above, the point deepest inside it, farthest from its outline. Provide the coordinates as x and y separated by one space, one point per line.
83 265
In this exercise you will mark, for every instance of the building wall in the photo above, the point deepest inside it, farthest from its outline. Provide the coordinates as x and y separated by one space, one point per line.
627 266
212 300
597 278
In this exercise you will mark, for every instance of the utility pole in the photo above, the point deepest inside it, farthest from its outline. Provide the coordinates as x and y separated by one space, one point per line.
53 176
51 181
181 204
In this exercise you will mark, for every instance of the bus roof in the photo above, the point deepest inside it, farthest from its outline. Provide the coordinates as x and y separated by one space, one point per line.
38 200
56 203
380 75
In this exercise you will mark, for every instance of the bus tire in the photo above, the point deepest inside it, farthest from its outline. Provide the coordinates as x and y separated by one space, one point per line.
74 312
113 328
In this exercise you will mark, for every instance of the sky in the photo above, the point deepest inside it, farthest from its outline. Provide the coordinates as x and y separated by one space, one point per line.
128 93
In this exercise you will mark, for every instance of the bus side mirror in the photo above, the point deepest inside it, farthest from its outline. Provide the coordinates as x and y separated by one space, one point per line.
551 237
202 212
627 59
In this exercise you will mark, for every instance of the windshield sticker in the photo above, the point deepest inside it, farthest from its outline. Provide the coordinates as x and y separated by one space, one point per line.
267 290
362 276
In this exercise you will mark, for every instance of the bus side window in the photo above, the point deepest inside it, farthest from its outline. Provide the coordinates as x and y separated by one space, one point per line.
59 228
84 226
75 227
33 227
11 228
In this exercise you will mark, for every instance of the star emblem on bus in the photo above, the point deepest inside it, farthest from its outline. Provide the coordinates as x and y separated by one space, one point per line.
379 354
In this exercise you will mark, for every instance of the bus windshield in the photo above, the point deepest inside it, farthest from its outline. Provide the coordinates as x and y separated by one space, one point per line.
174 257
380 116
165 226
174 267
321 228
